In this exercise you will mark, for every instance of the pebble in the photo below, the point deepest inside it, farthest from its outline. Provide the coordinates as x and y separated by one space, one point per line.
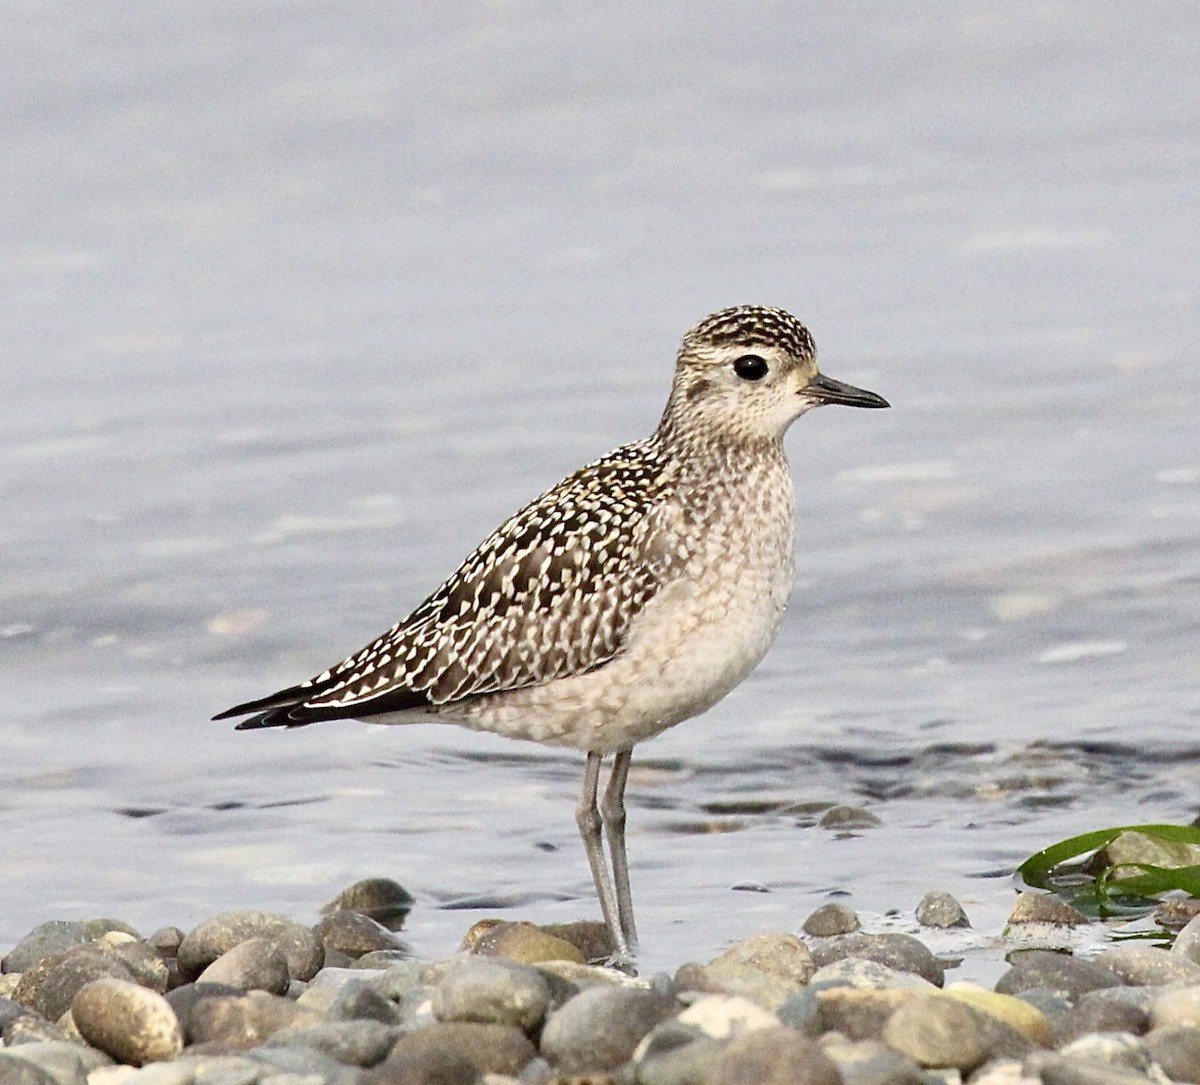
1044 908
831 919
849 819
942 911
131 1023
253 998
218 934
381 899
1187 941
899 951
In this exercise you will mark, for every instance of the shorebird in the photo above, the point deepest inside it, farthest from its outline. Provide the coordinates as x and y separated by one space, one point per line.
633 595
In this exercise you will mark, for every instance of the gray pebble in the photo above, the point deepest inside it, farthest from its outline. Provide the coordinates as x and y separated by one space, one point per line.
1177 1051
831 919
437 1066
802 1012
10 1011
50 985
397 980
774 954
936 1032
1143 966
1058 972
66 1064
256 964
236 1021
379 959
855 972
220 933
488 989
1113 1048
493 1049
941 910
775 1056
674 1054
1055 1069
304 1061
33 1029
899 951
1091 1015
869 1062
354 1043
354 934
45 940
600 1028
132 1024
15 1070
358 1002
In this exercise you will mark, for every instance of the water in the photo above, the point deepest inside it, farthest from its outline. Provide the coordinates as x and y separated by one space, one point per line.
300 300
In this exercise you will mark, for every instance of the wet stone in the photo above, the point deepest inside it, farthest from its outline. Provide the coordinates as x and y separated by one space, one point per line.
1058 972
50 986
494 991
586 935
381 899
494 1049
1177 1051
1044 908
898 951
831 919
600 1028
849 819
220 933
45 940
354 935
773 1057
131 1023
941 911
936 1032
525 944
254 965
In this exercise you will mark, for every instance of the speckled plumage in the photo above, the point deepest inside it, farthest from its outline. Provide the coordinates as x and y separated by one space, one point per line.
633 595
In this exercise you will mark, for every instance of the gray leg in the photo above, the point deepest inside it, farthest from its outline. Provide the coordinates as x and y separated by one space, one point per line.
587 817
612 810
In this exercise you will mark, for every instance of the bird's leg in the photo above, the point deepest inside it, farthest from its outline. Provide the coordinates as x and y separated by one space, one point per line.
587 817
612 811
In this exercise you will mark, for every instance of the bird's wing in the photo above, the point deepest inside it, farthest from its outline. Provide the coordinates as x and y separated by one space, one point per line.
551 593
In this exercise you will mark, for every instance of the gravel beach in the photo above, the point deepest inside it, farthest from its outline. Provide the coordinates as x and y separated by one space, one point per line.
248 997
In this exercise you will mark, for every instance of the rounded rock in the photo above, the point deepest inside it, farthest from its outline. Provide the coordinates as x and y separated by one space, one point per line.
1177 1051
50 986
132 1024
235 1022
899 951
831 919
437 1066
1187 941
220 933
936 1031
355 934
720 1017
869 1062
494 1049
781 955
352 1043
860 1013
941 911
600 1028
1146 966
1057 972
525 944
1044 908
1177 1009
775 1057
254 965
868 975
381 899
45 940
15 1070
492 991
844 819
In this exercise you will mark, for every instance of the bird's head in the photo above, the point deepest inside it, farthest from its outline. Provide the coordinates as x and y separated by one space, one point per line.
752 371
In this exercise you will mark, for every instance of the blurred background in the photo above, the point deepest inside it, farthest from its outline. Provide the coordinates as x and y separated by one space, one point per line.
301 299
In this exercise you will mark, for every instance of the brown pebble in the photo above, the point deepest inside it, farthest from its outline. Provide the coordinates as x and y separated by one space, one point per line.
1044 908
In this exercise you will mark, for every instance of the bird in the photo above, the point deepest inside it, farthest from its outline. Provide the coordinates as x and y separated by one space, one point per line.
631 596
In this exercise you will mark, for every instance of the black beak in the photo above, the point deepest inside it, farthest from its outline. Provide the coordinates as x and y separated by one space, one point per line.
826 390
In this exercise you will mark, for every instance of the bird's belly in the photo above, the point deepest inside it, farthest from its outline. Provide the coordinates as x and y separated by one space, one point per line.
690 646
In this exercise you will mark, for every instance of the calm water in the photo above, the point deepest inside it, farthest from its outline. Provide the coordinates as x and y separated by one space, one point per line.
299 300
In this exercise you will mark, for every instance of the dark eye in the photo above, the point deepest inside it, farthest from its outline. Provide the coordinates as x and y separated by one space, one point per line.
750 367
